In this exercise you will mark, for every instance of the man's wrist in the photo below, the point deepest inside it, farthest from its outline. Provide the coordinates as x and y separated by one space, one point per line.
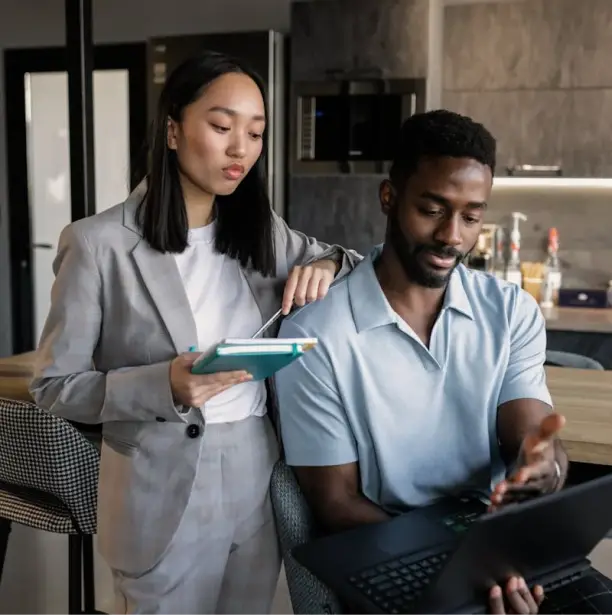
561 464
558 476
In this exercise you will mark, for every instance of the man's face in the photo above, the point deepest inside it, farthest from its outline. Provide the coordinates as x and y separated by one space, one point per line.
435 218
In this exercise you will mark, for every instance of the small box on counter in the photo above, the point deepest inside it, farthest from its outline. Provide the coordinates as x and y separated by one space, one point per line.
586 298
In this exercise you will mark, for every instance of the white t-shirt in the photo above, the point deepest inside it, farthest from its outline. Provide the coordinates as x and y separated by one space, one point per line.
223 306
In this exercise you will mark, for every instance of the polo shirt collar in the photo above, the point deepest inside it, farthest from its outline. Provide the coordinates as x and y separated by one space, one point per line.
370 307
368 302
456 298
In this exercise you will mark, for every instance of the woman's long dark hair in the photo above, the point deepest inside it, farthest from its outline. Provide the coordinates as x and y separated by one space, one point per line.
244 218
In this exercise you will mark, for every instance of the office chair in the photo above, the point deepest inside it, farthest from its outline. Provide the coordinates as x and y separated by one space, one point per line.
295 525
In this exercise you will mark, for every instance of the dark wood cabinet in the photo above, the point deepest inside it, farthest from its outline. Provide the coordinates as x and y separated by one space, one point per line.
538 74
385 38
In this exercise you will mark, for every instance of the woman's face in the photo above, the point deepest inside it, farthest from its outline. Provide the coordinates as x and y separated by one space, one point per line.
219 137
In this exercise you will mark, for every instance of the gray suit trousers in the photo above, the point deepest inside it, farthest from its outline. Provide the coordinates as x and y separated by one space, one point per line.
224 556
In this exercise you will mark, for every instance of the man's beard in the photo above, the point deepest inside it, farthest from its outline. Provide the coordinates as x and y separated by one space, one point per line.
412 257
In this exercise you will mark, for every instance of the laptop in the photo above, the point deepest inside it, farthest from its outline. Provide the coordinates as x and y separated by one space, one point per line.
444 558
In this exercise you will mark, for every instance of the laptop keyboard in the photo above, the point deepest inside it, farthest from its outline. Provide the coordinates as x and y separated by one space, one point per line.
393 586
461 521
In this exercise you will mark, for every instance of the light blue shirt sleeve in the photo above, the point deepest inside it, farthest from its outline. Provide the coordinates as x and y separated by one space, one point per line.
525 377
314 425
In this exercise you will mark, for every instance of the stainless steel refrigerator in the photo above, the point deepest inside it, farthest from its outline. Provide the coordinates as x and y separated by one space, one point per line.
265 53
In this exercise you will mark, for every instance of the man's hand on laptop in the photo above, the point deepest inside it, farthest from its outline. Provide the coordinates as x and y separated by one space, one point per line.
537 469
518 597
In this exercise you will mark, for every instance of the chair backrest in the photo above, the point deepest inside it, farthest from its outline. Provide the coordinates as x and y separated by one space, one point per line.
41 451
295 525
560 358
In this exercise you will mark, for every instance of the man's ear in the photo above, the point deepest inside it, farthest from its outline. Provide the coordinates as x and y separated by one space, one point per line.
387 196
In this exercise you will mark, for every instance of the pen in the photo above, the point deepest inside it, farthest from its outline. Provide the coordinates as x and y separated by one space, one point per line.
268 324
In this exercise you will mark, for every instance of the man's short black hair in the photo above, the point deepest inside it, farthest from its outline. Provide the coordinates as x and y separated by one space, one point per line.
437 134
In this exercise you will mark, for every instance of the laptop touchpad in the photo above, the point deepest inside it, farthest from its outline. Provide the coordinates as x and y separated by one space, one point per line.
410 533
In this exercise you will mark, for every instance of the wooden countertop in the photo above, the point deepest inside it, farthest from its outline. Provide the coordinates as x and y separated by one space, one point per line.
591 320
584 397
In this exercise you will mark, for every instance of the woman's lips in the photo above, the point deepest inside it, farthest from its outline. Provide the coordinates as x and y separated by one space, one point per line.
234 171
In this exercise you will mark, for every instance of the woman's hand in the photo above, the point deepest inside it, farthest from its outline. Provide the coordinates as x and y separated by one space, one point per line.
194 391
309 283
518 598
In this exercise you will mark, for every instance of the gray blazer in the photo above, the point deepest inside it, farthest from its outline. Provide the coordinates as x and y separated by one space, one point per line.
119 314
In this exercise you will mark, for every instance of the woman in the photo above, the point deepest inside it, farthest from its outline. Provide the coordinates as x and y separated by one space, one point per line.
194 256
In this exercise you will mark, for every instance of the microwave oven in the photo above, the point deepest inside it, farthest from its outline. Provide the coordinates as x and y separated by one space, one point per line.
350 126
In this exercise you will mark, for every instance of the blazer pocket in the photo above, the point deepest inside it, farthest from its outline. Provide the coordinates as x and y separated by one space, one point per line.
127 449
122 436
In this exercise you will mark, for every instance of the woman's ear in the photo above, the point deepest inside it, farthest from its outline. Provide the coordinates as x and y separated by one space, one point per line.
171 133
387 196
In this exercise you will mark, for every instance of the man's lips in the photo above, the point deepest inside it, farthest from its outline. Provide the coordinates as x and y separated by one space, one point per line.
440 262
234 171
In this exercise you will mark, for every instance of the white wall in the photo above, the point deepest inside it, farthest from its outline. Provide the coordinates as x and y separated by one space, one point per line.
40 23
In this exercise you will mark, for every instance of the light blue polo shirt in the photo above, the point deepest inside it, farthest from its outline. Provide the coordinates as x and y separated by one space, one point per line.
421 422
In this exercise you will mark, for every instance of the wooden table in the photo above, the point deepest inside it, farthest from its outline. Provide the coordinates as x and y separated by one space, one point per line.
584 397
580 320
15 375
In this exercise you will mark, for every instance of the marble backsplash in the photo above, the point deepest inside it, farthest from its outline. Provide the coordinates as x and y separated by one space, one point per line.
345 210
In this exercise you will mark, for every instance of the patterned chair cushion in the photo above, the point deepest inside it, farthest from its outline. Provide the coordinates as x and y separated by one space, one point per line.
55 466
39 514
295 525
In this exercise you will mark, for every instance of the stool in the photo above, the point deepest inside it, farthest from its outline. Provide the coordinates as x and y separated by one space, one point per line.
48 481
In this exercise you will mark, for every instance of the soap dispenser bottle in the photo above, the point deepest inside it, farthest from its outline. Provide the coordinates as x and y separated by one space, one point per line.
513 271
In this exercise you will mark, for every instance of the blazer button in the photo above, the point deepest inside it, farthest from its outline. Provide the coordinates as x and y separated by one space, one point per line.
160 419
193 431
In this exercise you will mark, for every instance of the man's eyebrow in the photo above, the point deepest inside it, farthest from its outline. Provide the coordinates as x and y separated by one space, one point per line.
438 198
233 113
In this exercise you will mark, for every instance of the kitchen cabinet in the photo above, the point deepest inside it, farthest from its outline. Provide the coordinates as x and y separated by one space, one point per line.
538 74
368 37
569 128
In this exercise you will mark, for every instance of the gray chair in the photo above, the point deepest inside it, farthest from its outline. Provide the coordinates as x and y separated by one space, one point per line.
560 358
296 525
48 481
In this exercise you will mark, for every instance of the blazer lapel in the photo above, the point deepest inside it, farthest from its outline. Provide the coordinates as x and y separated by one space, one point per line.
163 281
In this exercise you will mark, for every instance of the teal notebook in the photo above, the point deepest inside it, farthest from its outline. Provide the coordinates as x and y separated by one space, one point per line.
261 358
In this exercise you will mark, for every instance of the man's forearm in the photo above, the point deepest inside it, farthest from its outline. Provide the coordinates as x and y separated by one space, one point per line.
352 512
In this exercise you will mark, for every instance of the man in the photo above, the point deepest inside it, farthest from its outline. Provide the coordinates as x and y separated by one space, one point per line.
428 378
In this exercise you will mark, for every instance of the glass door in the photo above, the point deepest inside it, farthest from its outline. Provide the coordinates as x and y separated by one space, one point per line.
48 164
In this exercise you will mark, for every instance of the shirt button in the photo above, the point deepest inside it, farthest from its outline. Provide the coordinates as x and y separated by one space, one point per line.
193 431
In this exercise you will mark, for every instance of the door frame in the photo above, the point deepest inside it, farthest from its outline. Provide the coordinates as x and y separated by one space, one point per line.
17 62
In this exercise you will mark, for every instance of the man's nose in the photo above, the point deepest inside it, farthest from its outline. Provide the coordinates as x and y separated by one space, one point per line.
449 232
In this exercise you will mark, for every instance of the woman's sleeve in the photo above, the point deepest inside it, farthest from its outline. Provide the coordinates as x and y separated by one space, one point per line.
303 250
65 380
